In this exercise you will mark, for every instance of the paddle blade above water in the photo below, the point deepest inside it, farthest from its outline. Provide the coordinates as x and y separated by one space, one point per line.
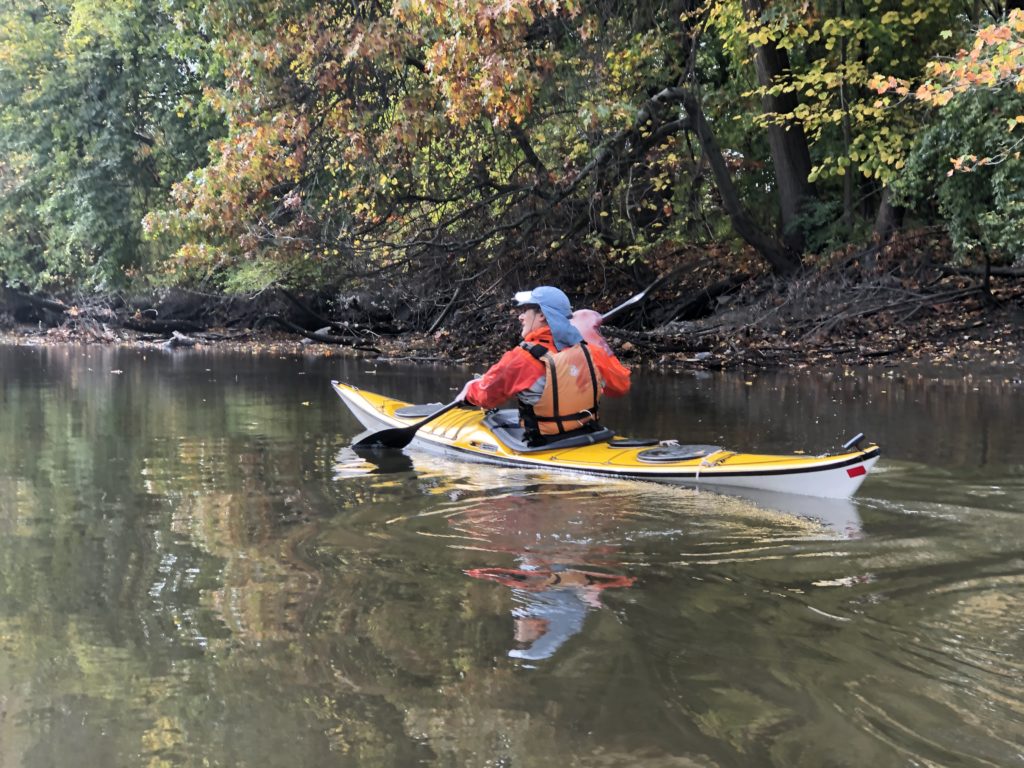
399 437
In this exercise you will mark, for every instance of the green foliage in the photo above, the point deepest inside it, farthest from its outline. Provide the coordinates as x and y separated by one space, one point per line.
96 121
836 51
238 143
981 209
822 222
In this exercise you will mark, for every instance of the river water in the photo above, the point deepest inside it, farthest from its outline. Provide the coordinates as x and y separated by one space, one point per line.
195 571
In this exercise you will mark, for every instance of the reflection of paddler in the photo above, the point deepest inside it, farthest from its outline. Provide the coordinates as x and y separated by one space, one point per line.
552 603
541 579
559 550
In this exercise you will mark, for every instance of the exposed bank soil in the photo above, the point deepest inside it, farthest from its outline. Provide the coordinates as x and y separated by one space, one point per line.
899 305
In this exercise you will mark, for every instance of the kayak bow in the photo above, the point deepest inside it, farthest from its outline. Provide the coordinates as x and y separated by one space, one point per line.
496 438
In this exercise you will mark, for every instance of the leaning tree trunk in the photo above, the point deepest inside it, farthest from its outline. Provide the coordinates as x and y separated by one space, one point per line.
783 260
657 118
787 141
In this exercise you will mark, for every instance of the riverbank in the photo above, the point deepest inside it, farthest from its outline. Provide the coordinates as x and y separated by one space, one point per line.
966 333
895 307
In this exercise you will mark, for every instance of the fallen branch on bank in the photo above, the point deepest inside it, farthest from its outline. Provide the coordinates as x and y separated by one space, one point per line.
913 303
702 303
26 307
980 271
446 311
143 325
317 336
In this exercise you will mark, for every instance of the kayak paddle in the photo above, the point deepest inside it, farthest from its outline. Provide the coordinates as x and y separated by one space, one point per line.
635 299
399 437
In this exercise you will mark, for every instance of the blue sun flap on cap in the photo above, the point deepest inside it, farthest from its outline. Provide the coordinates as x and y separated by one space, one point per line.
557 311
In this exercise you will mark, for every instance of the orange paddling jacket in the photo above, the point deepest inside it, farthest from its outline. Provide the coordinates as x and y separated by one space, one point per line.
524 375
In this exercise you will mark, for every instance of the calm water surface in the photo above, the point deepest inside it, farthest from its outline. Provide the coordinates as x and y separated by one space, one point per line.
195 571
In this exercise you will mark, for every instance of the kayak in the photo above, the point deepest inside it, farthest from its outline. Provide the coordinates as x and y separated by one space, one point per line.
495 437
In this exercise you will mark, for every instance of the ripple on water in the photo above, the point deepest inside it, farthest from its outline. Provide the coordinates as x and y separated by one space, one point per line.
775 631
941 628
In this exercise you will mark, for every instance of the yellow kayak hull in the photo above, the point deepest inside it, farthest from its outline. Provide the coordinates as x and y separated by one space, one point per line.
462 433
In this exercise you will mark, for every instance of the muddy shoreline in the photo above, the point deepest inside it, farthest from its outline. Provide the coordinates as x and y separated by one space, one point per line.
974 339
905 305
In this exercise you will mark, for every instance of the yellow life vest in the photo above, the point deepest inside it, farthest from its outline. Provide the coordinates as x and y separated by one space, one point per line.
572 391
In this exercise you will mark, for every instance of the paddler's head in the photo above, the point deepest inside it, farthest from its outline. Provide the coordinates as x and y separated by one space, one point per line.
547 305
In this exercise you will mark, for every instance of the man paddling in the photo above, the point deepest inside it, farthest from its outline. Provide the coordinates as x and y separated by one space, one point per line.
557 378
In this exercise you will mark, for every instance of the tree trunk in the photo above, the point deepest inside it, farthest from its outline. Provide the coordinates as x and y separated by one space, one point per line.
783 260
888 219
848 180
786 141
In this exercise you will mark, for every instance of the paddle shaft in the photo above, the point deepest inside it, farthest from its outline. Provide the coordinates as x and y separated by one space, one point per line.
633 299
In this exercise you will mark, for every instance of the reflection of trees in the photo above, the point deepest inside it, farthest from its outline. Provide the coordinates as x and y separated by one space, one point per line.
171 563
146 543
183 583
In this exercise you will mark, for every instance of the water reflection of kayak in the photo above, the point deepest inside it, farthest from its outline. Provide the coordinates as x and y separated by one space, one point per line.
496 438
840 516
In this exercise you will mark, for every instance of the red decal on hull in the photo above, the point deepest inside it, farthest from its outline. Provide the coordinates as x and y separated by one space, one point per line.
856 471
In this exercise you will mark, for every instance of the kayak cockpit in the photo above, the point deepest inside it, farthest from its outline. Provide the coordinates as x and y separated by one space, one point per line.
504 424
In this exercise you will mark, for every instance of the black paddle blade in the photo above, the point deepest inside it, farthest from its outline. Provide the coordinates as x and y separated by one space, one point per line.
385 462
398 437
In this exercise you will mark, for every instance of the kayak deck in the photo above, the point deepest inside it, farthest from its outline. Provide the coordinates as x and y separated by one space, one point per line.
465 433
